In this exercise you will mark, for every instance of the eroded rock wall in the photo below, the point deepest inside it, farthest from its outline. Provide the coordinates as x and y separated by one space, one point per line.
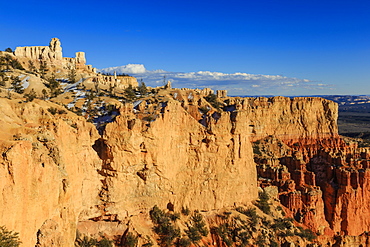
48 172
177 161
323 180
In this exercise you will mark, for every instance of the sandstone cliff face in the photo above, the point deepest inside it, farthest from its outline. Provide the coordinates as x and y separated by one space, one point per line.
47 168
52 56
322 179
290 119
59 174
175 160
51 53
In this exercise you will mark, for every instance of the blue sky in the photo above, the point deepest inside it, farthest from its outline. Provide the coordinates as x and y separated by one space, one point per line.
324 46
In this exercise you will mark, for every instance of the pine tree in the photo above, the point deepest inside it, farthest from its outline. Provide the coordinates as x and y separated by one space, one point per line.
130 93
8 238
2 79
43 69
16 85
31 66
142 88
31 95
54 86
72 75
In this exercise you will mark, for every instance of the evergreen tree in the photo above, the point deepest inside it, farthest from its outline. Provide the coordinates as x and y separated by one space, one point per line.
72 75
54 86
31 95
2 79
43 69
31 66
44 94
8 238
142 88
130 93
11 62
16 85
8 49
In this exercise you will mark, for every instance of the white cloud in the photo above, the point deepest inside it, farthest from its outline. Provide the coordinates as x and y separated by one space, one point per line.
126 69
236 83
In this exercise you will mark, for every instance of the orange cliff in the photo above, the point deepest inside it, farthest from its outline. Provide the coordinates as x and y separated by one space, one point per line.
174 159
323 181
48 172
60 175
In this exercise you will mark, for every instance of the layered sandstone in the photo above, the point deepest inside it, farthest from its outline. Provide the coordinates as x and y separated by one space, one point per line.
176 150
175 160
52 56
322 179
52 53
48 172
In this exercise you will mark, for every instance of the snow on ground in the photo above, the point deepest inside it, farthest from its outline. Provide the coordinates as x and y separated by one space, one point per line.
25 82
71 87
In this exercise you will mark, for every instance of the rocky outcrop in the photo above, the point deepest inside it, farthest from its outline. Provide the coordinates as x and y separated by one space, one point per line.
53 57
175 160
175 150
51 53
322 179
48 172
291 119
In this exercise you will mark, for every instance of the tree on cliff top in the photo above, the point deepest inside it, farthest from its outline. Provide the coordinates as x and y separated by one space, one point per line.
130 93
212 99
8 238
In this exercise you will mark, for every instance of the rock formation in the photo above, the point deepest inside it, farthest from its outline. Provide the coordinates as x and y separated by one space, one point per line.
52 55
48 172
174 148
322 179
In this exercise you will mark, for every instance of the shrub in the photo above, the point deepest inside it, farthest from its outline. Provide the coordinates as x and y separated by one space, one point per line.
306 233
8 238
54 86
43 69
185 211
261 241
222 232
130 240
212 99
148 243
183 242
31 95
85 242
263 203
204 109
193 234
282 224
199 224
273 243
174 216
52 110
72 75
164 228
16 64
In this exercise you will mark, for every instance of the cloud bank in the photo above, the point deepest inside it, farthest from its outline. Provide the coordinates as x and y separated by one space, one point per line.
236 83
